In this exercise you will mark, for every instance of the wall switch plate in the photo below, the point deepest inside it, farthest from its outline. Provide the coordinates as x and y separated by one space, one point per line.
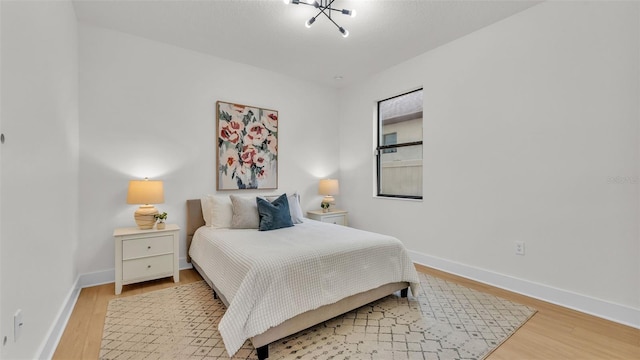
519 247
17 325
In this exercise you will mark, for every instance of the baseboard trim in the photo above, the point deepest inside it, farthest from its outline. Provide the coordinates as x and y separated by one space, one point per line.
603 309
48 348
96 278
184 264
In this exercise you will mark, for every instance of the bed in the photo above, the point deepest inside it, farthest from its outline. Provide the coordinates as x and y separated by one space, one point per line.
276 283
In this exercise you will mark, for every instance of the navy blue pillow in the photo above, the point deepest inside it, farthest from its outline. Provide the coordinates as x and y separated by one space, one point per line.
274 215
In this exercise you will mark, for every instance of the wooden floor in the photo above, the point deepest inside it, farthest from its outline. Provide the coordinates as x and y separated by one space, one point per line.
553 332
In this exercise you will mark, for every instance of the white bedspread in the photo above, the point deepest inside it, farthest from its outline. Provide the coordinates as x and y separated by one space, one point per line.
262 274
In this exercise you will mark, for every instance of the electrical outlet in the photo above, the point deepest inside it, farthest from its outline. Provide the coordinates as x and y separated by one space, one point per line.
519 247
17 325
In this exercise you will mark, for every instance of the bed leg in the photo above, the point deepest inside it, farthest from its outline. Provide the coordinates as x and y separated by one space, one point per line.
263 352
215 295
404 292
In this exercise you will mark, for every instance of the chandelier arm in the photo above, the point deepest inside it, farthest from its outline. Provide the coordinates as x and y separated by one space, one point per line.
334 23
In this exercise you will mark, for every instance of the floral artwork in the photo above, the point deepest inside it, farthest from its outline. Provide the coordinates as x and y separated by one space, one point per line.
247 147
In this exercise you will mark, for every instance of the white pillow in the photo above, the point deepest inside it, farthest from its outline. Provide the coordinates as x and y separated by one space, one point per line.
205 203
294 207
222 212
217 211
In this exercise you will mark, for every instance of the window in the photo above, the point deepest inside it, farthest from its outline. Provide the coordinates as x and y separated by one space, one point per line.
399 148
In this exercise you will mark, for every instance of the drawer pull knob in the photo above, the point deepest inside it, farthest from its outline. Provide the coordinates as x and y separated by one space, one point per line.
149 247
148 266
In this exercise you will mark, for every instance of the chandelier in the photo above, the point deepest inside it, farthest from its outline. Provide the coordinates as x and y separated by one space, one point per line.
325 8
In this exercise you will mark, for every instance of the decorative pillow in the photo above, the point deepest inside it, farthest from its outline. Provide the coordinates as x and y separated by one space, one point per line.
294 207
245 213
216 211
274 215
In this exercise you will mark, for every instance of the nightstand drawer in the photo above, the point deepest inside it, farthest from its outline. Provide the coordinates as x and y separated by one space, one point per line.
153 266
147 246
338 220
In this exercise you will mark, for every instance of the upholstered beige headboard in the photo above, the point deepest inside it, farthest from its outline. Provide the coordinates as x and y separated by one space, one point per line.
194 221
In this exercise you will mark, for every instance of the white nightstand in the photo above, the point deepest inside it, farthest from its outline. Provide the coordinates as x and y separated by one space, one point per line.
143 255
338 217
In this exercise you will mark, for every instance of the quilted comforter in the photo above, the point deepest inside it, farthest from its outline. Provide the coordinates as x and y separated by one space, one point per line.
271 276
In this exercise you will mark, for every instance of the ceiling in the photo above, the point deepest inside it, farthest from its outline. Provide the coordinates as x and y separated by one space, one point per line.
271 34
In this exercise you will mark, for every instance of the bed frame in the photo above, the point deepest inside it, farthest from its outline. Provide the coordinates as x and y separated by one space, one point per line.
300 322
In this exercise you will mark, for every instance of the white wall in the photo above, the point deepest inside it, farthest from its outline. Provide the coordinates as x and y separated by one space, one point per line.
148 109
530 134
39 168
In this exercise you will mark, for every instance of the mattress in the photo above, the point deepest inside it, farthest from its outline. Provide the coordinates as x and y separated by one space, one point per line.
268 277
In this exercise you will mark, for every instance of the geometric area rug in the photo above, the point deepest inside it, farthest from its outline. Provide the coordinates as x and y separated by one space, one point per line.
445 321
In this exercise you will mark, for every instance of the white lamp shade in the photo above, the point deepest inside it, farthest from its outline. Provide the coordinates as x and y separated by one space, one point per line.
144 192
328 187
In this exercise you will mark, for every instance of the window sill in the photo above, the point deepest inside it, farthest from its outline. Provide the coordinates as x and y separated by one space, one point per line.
396 198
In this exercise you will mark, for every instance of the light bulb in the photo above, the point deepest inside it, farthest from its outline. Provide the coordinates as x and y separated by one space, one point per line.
286 1
351 13
310 22
344 31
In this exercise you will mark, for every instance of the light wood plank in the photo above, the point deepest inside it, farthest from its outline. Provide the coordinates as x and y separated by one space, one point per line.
552 333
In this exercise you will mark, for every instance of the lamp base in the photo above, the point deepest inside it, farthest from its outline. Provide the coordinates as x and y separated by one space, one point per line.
145 216
329 199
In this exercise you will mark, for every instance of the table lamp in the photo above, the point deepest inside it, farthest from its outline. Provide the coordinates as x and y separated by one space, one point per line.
328 188
145 193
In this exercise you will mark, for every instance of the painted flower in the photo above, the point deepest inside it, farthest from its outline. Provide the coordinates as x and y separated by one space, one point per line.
270 121
272 144
239 110
228 132
248 152
262 173
236 125
256 134
260 159
230 159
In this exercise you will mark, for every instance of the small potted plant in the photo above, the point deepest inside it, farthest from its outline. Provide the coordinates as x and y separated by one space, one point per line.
161 219
325 206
